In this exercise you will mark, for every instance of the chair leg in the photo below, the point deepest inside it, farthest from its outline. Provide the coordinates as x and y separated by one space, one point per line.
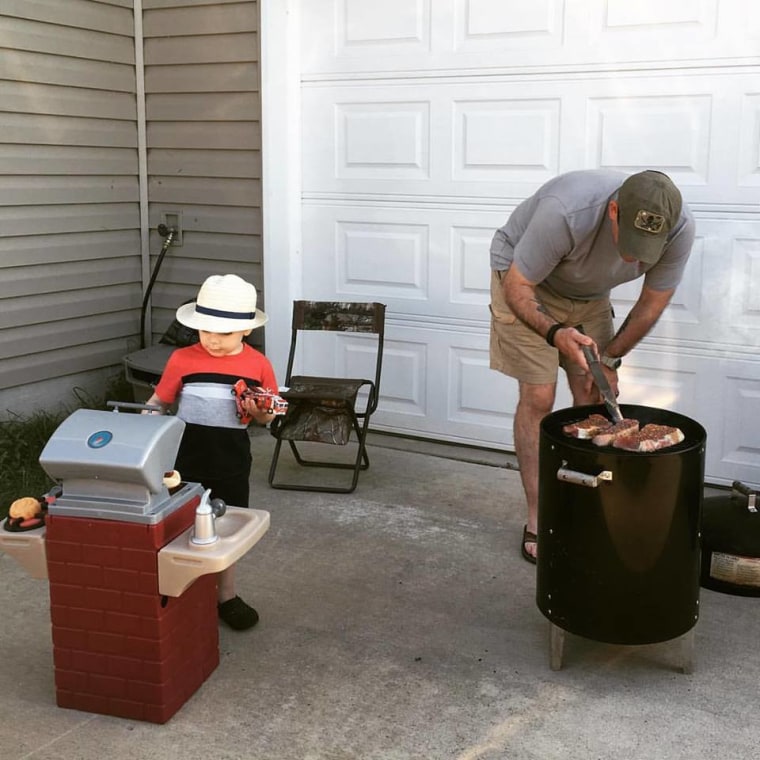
362 458
275 457
360 463
334 465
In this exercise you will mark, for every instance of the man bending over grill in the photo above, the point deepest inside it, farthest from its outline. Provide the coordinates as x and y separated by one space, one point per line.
553 266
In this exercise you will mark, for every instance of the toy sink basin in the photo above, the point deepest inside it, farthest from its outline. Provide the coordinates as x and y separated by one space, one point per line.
27 548
181 561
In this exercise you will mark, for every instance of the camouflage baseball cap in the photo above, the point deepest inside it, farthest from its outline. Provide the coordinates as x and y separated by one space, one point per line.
649 206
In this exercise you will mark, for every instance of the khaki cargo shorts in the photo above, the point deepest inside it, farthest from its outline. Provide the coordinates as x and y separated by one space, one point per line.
519 352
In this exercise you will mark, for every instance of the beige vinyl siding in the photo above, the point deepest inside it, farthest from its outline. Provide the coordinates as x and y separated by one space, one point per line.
204 143
71 270
70 273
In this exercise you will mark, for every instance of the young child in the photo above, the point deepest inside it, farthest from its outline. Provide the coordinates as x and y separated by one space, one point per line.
215 449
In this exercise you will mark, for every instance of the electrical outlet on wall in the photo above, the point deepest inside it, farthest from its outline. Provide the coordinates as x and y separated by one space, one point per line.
173 220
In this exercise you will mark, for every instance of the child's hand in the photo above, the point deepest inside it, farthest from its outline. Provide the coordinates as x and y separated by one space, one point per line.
257 403
153 401
253 411
249 406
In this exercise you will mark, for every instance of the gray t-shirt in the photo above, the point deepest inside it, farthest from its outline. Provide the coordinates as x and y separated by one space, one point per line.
562 237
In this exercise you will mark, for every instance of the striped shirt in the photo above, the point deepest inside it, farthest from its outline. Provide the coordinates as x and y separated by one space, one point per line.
215 443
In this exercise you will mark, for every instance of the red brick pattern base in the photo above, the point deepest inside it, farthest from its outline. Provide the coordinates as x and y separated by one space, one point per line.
119 647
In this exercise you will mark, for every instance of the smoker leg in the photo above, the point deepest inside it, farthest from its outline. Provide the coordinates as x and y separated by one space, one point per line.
686 652
556 646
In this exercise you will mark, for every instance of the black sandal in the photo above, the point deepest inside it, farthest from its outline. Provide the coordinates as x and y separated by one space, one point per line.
528 537
237 614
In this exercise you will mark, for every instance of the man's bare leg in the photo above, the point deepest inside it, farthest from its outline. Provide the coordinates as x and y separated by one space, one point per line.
583 390
536 401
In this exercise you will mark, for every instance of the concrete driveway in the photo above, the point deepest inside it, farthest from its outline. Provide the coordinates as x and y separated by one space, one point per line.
400 622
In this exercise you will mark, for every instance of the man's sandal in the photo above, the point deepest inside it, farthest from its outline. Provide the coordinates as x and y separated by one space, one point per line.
528 537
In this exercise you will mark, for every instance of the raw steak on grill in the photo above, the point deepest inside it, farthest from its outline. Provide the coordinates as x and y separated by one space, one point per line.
587 428
625 427
650 438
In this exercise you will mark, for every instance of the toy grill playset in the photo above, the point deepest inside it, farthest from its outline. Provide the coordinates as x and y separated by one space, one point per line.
131 554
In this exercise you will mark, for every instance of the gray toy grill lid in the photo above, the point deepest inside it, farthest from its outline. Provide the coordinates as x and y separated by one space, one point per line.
112 459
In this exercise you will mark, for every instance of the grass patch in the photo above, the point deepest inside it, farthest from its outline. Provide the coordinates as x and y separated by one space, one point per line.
22 438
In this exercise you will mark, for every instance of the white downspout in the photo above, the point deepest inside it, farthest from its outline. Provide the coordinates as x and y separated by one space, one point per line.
142 161
280 68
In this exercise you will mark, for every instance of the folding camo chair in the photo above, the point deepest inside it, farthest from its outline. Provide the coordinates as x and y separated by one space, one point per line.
327 410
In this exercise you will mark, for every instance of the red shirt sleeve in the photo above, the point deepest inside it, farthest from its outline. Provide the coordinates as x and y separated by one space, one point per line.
170 384
268 379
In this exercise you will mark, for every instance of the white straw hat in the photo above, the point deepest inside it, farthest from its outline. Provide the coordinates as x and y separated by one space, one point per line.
225 303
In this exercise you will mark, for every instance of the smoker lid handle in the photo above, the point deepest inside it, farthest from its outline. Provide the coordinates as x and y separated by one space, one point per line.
582 478
738 488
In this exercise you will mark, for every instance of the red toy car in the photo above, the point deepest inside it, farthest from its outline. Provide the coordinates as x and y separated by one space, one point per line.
267 401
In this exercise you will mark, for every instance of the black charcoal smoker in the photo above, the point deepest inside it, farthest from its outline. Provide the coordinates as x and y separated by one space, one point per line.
618 532
731 542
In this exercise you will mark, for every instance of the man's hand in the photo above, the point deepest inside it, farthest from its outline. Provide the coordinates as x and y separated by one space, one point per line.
568 341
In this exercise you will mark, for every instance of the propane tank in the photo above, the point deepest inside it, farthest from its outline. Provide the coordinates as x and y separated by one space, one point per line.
731 542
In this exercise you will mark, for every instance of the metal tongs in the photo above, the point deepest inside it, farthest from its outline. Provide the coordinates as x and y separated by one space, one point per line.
601 382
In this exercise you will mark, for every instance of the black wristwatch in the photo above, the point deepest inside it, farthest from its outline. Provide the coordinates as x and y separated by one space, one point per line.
611 362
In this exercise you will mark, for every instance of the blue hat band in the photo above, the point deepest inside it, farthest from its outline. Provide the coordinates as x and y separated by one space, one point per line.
224 314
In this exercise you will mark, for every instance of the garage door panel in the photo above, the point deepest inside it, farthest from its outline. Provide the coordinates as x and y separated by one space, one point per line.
485 140
730 416
387 257
669 131
744 304
341 354
364 29
437 382
680 23
382 140
431 263
740 445
660 379
403 390
476 393
720 287
529 150
683 316
717 305
723 395
749 140
467 265
426 122
485 26
357 35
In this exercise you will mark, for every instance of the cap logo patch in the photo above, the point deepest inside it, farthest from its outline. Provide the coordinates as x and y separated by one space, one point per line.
648 221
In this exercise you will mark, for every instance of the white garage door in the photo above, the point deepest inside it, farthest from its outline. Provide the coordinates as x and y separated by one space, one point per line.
425 122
